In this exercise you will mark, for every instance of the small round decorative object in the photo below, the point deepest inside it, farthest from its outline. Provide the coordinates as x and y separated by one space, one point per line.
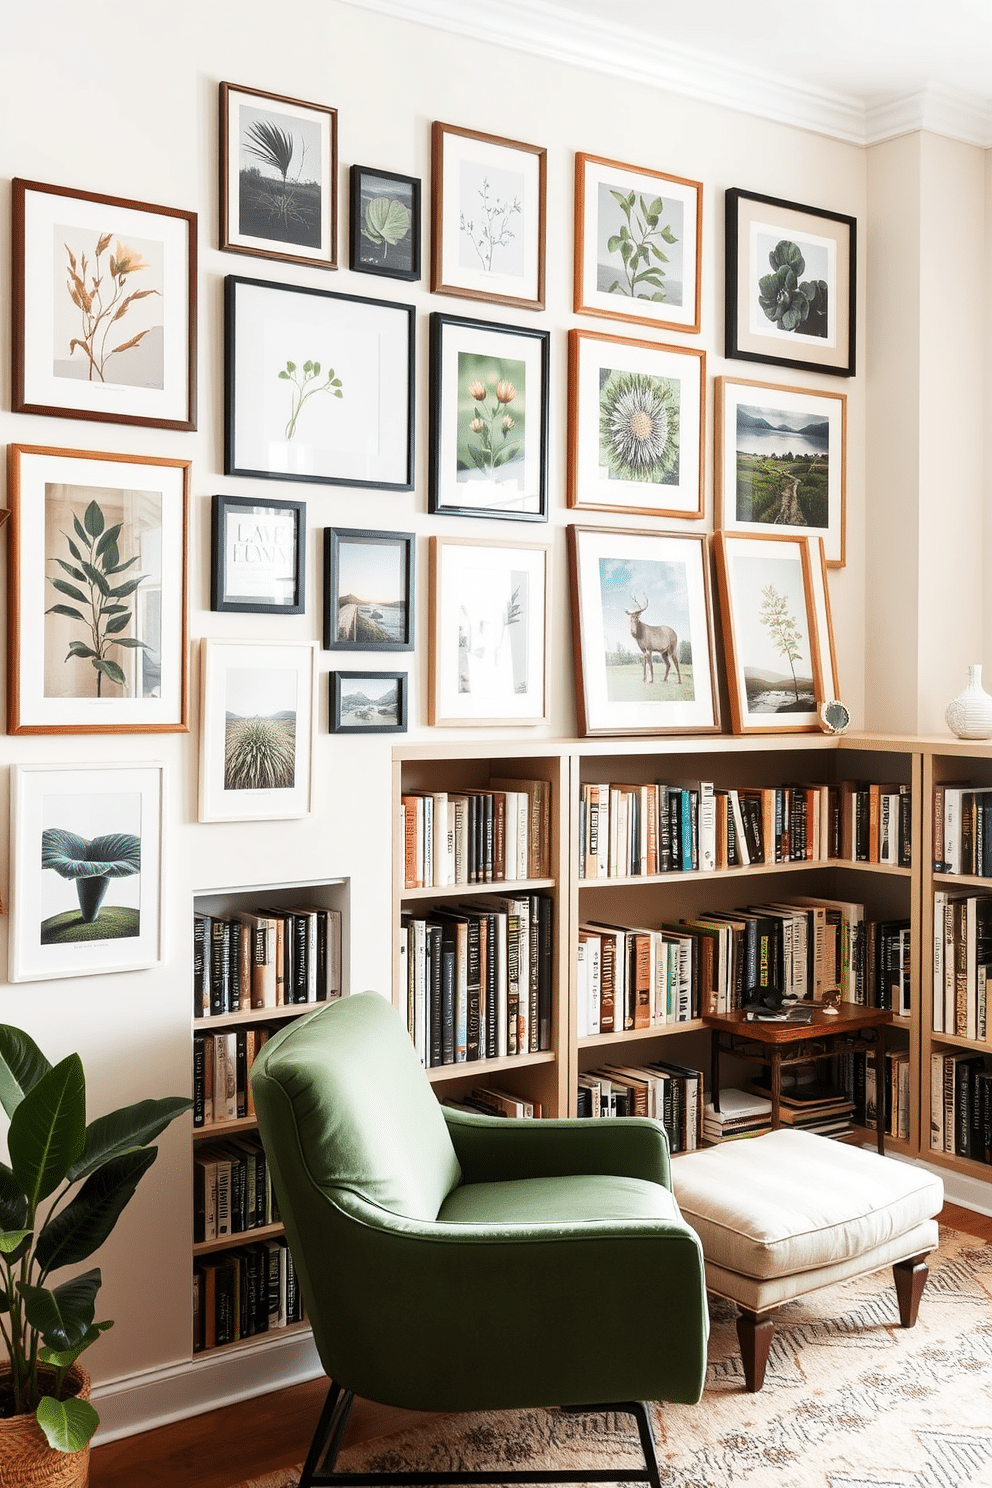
831 1004
835 716
969 715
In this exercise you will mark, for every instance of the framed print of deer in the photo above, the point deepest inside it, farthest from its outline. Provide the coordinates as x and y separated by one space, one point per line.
643 632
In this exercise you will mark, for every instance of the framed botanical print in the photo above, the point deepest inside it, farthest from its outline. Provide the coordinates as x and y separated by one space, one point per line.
367 702
368 590
385 223
258 556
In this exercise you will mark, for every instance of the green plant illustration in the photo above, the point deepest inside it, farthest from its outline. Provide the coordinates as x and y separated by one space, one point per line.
99 292
275 147
91 865
386 223
492 426
494 230
305 385
783 628
639 426
637 244
96 562
260 754
793 304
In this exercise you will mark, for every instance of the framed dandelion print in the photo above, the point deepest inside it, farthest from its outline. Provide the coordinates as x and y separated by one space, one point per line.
104 301
635 426
385 223
488 420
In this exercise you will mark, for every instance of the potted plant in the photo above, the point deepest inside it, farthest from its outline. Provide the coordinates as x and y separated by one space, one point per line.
61 1193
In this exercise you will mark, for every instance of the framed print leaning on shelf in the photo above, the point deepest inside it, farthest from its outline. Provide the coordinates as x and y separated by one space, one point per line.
97 592
256 729
318 386
488 659
771 640
636 416
384 223
368 590
790 290
104 304
85 869
278 177
638 244
258 556
367 702
781 461
824 620
643 642
488 220
489 420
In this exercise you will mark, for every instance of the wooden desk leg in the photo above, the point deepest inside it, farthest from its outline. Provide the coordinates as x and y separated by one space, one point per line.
880 1091
715 1068
776 1079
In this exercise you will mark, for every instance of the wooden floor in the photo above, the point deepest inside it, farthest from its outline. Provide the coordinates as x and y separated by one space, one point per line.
223 1447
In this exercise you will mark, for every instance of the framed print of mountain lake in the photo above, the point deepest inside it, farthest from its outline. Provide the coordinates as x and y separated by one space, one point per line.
367 702
781 461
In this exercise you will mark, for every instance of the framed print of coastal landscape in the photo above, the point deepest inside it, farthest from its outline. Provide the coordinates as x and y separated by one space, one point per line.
368 590
384 223
790 284
781 461
367 702
257 559
104 308
771 640
279 169
638 244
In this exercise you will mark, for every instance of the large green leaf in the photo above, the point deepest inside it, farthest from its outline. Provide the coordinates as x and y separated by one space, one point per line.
126 1130
65 1358
48 1129
68 1424
387 221
22 1065
63 1314
93 520
76 1231
13 1203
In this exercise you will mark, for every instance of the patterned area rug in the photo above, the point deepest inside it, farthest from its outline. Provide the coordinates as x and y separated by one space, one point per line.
851 1400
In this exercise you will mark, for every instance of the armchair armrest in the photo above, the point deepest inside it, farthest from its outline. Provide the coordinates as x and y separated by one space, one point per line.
495 1148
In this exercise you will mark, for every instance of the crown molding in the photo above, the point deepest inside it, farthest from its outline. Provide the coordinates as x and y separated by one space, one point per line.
957 116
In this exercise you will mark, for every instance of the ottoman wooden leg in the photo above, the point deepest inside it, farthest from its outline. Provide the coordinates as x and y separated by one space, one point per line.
755 1330
910 1279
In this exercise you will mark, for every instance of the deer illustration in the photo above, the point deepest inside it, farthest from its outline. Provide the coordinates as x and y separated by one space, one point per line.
652 638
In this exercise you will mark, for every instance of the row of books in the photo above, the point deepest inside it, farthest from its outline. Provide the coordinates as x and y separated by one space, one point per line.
672 1093
961 1104
491 1100
635 830
497 834
962 964
243 1292
232 1191
478 978
222 1064
857 1076
962 829
265 958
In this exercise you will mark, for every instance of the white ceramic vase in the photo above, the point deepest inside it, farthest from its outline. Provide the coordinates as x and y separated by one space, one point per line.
969 715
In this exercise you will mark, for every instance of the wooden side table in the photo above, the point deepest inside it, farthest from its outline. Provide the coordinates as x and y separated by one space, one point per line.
779 1044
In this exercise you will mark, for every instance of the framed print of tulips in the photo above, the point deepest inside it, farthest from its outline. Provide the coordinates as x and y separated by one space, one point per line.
104 295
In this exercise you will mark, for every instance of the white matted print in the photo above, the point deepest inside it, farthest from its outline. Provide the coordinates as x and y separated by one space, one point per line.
85 869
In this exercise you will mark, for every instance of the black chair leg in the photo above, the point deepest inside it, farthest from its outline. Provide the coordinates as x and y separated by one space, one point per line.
327 1437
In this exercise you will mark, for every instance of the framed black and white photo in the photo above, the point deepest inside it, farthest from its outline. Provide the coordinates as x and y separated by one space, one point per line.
385 223
367 702
278 174
368 590
791 275
258 556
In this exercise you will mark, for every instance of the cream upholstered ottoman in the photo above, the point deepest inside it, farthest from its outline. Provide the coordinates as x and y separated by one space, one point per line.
785 1213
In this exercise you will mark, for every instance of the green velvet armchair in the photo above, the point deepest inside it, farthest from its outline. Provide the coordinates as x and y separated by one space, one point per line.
451 1262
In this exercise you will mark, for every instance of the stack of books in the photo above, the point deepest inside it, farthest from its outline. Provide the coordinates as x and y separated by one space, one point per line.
813 1105
741 1114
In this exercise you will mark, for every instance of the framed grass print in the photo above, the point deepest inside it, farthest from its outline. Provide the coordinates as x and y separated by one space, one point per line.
781 461
636 415
489 420
771 640
97 592
367 702
104 302
278 177
385 223
256 730
85 869
368 590
258 556
319 386
488 659
489 199
791 284
638 244
643 632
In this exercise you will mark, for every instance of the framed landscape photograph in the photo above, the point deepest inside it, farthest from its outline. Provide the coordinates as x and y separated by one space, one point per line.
278 177
781 461
97 592
489 199
643 632
256 730
638 244
258 556
104 308
85 869
367 702
636 418
385 223
368 590
770 635
488 659
489 420
318 386
791 284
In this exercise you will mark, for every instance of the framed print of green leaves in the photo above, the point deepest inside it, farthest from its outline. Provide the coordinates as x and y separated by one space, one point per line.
385 223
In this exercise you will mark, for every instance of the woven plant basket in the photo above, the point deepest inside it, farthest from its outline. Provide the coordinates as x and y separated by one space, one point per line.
26 1459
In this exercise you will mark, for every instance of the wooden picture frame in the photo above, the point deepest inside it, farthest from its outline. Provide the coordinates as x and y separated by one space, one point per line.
104 308
488 218
97 592
368 589
384 220
824 620
636 425
258 556
638 244
267 208
367 702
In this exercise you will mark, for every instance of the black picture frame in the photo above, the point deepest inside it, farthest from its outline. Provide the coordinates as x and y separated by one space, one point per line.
352 555
791 284
278 545
397 258
346 709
